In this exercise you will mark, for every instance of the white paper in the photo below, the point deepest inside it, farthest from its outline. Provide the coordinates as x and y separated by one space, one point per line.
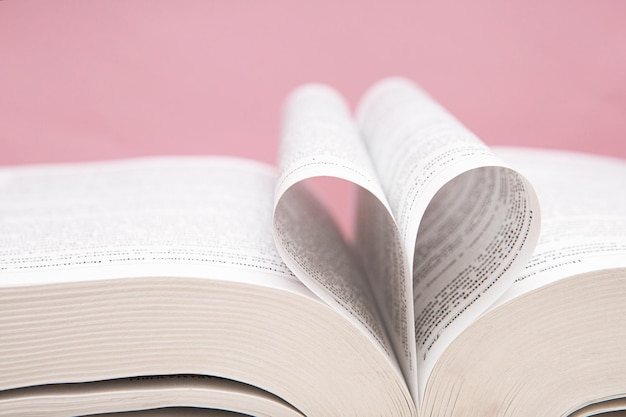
320 139
481 223
146 217
583 207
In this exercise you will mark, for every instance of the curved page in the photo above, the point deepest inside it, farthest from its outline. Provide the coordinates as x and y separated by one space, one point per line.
583 215
320 139
467 221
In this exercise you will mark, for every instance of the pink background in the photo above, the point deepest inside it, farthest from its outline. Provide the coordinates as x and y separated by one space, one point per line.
82 80
100 79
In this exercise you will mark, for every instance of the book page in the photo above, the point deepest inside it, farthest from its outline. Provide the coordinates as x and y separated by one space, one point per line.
192 217
583 208
467 221
320 139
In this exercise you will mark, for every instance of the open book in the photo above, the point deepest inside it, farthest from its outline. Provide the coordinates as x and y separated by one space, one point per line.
478 282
